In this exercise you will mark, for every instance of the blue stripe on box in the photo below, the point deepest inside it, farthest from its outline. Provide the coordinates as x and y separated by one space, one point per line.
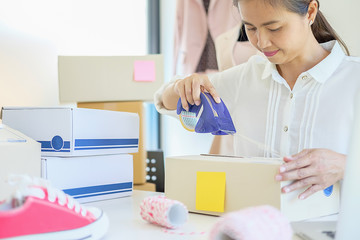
67 144
47 144
98 189
90 148
105 142
91 144
99 194
53 150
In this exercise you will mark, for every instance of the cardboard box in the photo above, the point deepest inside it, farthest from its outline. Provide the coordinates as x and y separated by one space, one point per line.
108 78
145 187
139 157
19 154
91 178
76 131
248 182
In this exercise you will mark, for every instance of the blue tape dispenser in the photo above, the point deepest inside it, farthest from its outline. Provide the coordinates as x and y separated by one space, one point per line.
208 117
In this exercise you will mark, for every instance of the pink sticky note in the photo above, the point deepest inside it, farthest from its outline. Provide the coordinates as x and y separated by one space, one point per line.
144 71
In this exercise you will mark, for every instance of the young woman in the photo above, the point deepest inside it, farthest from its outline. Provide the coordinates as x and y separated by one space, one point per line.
296 101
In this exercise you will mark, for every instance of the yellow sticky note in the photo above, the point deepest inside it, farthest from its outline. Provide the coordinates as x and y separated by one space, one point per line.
210 191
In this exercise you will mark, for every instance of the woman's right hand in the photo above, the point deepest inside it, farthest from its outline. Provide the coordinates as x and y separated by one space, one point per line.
189 89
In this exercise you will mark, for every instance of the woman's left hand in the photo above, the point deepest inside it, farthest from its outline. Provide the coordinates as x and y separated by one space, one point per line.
315 168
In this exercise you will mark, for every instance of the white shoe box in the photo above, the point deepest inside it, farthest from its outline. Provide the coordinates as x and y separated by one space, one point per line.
19 154
76 131
91 178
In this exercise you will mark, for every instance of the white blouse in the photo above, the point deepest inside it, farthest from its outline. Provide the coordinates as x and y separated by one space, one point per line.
273 121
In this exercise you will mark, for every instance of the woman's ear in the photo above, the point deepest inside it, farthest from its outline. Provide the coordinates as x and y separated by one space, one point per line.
312 11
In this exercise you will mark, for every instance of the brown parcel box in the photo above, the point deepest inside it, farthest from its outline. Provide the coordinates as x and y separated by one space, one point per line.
106 78
249 182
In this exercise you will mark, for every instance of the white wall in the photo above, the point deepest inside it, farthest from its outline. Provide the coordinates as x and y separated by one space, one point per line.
34 32
28 70
344 17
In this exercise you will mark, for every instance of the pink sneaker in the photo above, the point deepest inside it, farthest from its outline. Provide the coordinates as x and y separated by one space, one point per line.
39 211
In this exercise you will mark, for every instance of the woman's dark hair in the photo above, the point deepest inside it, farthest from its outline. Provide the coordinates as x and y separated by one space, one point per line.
321 28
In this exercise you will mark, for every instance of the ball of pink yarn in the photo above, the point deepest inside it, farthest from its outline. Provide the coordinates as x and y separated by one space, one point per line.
255 223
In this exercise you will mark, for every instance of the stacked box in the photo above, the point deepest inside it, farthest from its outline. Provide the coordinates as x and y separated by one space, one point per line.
109 78
136 107
91 178
246 182
118 83
85 151
19 154
66 132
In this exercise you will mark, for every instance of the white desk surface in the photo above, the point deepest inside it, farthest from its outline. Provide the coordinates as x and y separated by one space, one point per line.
126 222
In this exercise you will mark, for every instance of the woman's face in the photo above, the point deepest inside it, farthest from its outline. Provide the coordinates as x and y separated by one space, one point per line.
278 33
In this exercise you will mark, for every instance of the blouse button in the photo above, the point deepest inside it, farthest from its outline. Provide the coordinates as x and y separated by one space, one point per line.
291 95
286 128
304 77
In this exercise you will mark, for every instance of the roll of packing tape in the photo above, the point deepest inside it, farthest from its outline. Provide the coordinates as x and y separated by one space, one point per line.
163 211
256 223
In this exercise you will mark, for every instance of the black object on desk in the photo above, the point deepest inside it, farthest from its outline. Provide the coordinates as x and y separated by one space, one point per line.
155 169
